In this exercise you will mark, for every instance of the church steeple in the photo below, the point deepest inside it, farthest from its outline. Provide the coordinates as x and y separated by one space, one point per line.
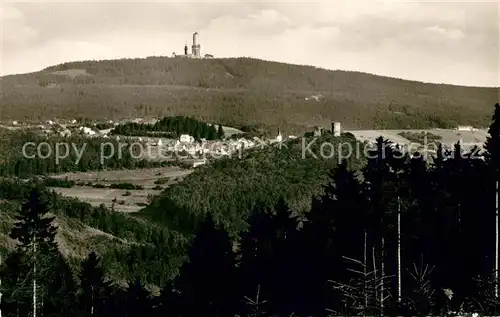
185 49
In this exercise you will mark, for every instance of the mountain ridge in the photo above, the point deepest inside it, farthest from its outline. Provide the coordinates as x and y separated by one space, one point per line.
48 68
239 91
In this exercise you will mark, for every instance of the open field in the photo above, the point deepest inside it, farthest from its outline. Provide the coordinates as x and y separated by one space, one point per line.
131 202
448 136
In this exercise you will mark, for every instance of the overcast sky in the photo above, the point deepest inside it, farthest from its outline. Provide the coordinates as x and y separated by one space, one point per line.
445 42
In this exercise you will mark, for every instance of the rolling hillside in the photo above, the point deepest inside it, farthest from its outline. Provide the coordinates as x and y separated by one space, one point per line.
239 92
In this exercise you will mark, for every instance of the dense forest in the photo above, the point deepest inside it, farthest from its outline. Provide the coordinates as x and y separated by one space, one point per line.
237 92
396 236
172 127
260 176
42 160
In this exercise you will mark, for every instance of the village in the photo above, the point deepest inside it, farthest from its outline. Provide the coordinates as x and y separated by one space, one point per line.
193 153
185 148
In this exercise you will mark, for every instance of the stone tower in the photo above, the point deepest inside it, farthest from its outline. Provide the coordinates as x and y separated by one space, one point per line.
196 47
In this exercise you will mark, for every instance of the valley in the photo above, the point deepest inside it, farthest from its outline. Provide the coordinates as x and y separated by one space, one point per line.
238 198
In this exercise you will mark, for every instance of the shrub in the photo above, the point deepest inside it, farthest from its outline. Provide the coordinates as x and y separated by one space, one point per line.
161 181
127 186
56 182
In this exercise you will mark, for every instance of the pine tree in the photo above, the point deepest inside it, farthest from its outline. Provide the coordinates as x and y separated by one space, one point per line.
492 156
60 287
379 191
138 301
38 278
285 263
212 133
33 228
205 281
93 284
255 254
36 235
220 132
334 231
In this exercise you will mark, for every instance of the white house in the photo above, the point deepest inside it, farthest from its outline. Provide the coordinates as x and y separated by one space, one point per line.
87 131
279 137
465 128
197 163
186 138
65 133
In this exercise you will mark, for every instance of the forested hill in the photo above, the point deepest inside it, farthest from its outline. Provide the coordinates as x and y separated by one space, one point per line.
239 91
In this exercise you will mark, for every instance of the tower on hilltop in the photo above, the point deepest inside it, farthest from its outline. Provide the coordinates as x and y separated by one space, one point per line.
195 49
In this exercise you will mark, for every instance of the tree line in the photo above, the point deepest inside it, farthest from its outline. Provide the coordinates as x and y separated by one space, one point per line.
42 160
173 127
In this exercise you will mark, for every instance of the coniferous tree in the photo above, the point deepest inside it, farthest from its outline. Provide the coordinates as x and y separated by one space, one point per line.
39 278
206 281
94 286
378 191
335 230
220 132
492 156
138 302
256 252
212 133
284 261
60 288
37 246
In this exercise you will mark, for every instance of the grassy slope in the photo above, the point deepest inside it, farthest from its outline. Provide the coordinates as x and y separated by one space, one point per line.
77 237
240 91
74 238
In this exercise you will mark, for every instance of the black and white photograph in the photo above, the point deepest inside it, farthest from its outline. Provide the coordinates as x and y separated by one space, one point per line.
242 158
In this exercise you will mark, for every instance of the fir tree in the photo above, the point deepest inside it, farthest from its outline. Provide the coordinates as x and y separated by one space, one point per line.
33 229
212 133
205 282
138 300
492 156
255 254
220 132
93 284
41 271
492 145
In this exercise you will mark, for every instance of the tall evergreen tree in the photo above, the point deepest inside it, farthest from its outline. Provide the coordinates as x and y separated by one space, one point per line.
206 280
138 302
334 231
376 174
220 132
94 286
33 229
492 156
41 275
212 133
283 264
256 252
36 235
